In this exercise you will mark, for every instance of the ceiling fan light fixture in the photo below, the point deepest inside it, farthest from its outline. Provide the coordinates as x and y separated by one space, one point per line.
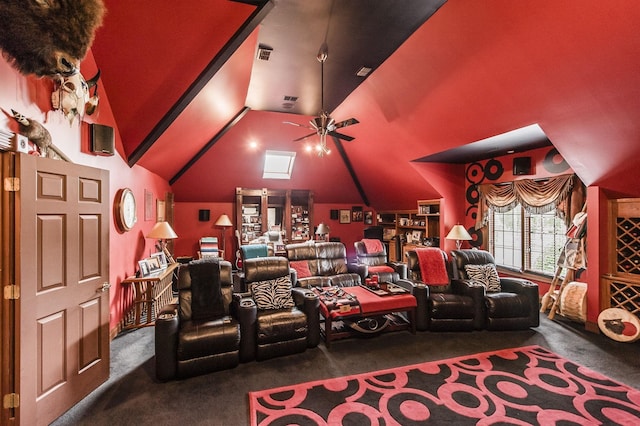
363 71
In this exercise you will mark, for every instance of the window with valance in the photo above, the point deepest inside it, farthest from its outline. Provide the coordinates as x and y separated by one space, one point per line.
565 194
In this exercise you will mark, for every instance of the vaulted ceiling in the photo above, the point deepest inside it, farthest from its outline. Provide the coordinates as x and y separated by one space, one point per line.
189 93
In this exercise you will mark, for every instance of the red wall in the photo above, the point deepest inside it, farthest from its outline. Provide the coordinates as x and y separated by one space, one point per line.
31 96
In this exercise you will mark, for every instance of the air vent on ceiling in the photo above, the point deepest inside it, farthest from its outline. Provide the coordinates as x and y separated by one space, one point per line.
264 52
290 98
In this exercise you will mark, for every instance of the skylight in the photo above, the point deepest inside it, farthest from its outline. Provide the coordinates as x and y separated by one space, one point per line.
278 164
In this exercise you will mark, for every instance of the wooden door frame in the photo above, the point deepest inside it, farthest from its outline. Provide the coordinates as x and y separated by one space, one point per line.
9 309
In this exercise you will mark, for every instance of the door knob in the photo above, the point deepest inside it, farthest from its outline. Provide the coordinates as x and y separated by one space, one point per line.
105 287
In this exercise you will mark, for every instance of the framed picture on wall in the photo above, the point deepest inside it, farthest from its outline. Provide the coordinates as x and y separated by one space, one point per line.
356 214
368 218
160 214
148 205
345 216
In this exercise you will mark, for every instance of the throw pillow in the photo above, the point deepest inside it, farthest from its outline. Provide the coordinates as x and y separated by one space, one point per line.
487 275
273 294
301 267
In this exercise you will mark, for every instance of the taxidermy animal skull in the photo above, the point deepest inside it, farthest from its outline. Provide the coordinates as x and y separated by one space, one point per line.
72 96
48 37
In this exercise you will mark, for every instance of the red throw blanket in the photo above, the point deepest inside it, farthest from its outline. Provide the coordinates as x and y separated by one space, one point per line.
432 266
372 246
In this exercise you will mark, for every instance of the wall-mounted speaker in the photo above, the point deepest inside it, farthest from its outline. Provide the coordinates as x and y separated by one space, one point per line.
204 215
521 166
333 214
102 139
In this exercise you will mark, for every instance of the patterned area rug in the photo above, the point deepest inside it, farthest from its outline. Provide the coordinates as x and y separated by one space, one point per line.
520 386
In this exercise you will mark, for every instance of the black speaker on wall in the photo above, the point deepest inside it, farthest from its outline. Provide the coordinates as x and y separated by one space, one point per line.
102 139
521 166
333 214
204 215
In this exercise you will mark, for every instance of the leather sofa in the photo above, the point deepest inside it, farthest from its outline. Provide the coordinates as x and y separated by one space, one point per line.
191 339
322 264
514 307
271 325
444 304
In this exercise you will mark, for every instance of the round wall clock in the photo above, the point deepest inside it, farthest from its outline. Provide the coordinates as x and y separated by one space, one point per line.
125 209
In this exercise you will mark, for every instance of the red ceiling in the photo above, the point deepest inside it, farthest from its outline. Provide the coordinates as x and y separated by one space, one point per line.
473 70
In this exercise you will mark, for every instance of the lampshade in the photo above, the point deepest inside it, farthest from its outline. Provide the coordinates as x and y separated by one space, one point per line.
223 221
458 233
162 231
322 229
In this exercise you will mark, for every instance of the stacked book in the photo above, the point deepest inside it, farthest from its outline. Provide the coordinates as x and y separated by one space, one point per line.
6 138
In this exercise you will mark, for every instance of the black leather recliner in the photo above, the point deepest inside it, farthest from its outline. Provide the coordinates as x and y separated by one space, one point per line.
515 307
198 335
450 306
270 332
376 263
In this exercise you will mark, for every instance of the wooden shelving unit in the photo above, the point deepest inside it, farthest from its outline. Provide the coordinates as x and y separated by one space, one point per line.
414 226
289 210
621 286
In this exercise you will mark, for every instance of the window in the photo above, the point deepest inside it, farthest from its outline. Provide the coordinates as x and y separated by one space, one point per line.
526 242
278 164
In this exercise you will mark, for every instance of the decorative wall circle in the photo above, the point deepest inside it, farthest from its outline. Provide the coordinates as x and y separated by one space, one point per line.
472 211
554 162
493 169
473 196
475 173
477 238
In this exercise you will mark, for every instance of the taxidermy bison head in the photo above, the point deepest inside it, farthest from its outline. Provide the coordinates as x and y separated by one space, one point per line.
48 37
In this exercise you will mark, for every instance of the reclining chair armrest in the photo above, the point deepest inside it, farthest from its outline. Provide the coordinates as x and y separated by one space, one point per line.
166 342
246 311
360 269
309 303
401 268
531 292
477 293
421 292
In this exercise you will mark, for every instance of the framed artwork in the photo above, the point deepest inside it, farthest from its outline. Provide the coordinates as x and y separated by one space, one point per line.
416 236
356 214
162 258
368 218
160 213
345 216
143 267
148 205
154 264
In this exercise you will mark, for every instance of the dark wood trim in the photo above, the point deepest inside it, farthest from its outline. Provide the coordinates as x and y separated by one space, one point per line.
210 144
354 177
201 81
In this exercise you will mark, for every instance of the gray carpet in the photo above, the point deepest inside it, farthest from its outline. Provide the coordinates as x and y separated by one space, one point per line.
133 396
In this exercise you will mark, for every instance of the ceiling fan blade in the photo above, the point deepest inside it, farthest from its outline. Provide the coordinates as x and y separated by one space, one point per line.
296 124
304 137
346 123
341 136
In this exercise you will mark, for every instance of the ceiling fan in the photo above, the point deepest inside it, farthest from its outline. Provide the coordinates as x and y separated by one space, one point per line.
323 124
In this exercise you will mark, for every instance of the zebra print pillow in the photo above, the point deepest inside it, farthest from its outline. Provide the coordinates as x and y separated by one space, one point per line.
273 294
485 275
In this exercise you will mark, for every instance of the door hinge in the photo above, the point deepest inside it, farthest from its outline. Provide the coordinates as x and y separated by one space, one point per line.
11 292
11 400
12 184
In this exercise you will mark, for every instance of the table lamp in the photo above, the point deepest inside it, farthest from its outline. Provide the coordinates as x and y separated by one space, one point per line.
459 234
162 231
223 222
322 231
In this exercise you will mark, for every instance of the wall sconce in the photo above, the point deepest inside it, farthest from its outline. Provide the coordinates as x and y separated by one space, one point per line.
459 234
